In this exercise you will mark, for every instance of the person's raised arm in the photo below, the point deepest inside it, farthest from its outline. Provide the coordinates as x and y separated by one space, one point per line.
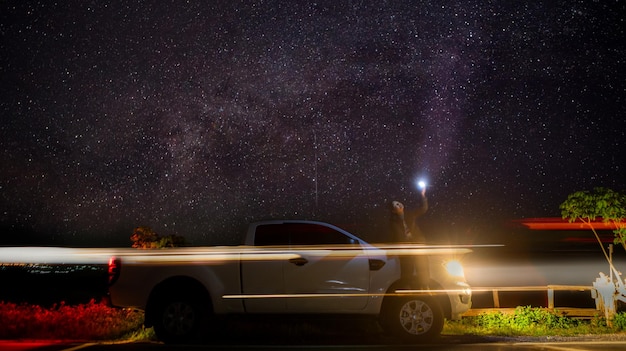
416 212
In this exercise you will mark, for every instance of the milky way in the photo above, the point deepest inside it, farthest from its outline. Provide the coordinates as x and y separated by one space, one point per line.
196 118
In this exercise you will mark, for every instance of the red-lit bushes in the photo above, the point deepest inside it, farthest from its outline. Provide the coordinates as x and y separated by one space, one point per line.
91 321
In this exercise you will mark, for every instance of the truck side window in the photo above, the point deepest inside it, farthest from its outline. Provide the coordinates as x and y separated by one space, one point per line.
271 235
315 234
298 234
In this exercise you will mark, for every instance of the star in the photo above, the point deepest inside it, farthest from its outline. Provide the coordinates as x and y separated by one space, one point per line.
196 119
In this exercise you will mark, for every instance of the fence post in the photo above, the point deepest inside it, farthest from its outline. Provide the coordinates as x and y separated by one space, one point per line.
550 298
496 299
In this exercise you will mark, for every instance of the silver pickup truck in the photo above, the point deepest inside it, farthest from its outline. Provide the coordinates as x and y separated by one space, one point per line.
291 267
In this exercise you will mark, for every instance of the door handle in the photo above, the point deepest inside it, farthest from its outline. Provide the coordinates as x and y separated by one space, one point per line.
299 261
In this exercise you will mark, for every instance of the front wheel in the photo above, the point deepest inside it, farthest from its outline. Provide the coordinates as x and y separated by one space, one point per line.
414 319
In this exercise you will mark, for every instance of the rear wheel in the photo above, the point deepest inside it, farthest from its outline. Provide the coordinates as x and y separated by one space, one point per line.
181 318
413 319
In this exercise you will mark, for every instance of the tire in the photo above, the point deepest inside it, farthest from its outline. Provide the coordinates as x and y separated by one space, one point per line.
181 318
413 319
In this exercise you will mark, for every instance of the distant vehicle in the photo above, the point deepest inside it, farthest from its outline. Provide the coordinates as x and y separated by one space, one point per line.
288 268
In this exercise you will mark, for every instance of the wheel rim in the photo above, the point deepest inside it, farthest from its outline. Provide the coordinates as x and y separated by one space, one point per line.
416 317
179 318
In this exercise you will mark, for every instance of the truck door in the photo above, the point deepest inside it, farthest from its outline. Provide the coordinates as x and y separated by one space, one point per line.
309 268
329 273
263 279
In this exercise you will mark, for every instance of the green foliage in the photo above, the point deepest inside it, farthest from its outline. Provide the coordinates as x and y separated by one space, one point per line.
145 238
529 321
170 241
601 204
140 334
527 317
620 236
619 321
524 318
492 320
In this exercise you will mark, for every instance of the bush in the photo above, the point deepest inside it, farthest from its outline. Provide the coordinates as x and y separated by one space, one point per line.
91 321
619 321
145 238
525 318
533 322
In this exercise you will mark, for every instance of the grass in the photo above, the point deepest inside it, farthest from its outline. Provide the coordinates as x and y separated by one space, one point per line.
527 321
97 321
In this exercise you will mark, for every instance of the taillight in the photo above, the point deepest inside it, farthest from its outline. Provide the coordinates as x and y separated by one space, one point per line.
115 266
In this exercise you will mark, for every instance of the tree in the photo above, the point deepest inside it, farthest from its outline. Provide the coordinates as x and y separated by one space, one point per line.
145 238
609 207
170 241
600 204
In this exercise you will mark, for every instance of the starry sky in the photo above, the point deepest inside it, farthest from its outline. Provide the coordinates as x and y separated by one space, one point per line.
197 117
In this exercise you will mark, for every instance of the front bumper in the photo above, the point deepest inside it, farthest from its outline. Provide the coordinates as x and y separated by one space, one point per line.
460 300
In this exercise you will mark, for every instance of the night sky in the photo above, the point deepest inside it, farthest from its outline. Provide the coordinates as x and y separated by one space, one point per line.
197 117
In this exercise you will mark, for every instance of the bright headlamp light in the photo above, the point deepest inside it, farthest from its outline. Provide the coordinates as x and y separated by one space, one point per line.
454 268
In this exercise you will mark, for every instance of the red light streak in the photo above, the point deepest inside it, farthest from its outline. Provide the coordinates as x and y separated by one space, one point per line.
555 223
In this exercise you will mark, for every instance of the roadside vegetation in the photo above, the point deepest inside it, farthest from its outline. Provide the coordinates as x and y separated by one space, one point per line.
98 321
530 321
89 321
145 238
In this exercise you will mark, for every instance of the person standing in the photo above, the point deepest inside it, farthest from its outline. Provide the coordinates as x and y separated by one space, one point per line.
404 229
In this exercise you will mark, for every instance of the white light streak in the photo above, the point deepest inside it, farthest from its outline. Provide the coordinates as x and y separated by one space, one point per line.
322 295
62 255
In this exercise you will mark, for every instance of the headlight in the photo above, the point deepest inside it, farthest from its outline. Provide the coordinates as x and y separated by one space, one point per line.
454 268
